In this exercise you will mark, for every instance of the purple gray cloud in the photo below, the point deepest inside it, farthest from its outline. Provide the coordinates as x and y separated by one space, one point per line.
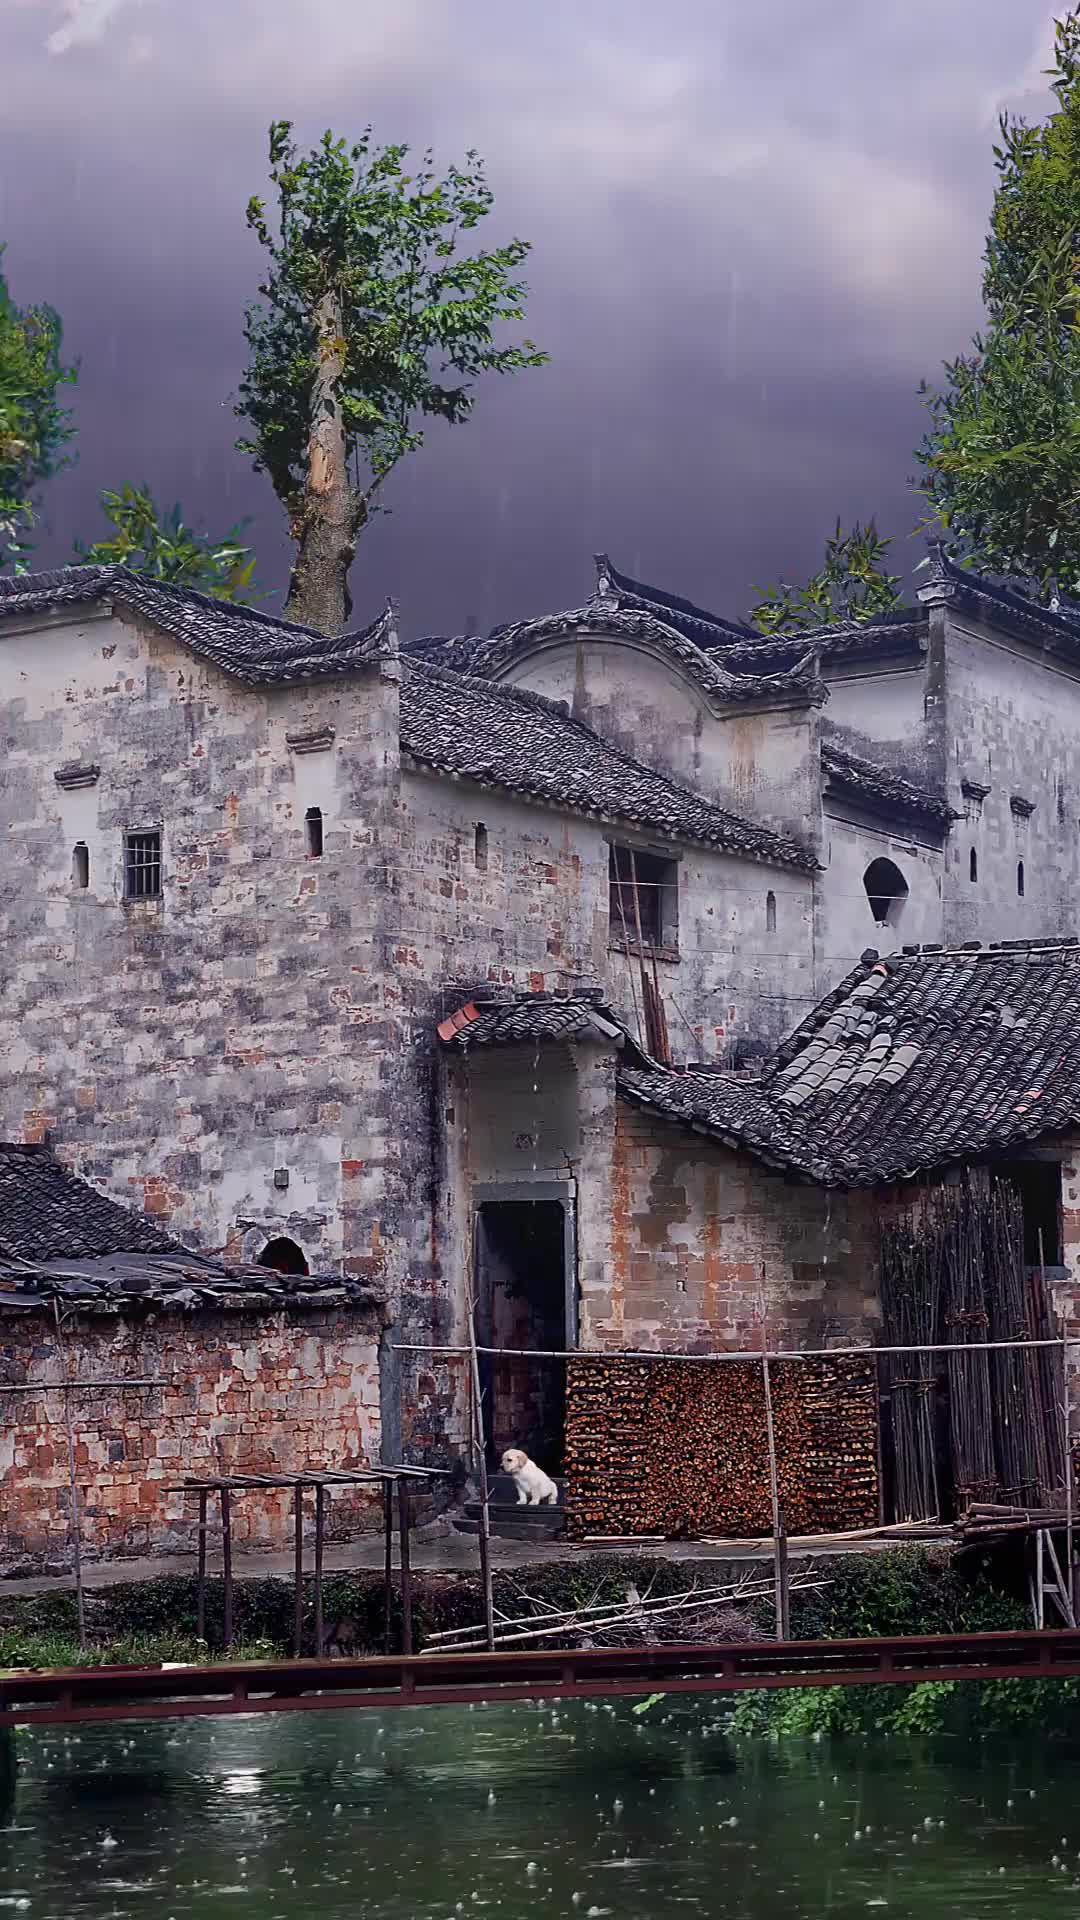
754 230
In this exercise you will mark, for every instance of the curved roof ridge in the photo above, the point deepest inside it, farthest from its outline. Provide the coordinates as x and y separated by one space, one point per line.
489 657
243 641
609 579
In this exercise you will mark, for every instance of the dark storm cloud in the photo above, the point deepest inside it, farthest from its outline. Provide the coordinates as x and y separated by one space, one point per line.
755 228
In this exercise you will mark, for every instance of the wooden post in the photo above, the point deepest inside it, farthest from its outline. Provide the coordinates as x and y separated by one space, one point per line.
320 1528
406 1566
1070 1546
298 1570
200 1592
1040 1587
779 1553
226 1564
74 1515
388 1560
783 1589
480 1451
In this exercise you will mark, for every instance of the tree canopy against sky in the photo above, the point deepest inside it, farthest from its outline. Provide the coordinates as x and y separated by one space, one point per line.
1001 461
374 319
35 426
853 586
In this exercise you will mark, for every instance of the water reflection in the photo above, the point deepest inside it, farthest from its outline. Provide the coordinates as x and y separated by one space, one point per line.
583 1810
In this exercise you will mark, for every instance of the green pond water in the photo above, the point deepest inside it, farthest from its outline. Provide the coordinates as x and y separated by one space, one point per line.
577 1811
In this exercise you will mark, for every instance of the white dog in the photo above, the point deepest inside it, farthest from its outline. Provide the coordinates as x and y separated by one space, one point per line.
531 1481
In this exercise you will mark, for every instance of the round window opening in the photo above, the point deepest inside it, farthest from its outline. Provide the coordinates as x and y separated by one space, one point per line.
886 890
284 1256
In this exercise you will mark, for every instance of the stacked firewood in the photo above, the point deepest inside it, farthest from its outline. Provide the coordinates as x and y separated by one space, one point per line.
679 1448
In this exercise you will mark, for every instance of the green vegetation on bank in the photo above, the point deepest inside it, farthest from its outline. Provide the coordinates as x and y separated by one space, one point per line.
905 1591
912 1591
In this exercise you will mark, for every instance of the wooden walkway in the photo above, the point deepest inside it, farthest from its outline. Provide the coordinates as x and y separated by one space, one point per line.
70 1696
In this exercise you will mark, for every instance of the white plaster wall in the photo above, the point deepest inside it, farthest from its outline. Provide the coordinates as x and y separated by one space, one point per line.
179 1050
1014 726
539 918
762 764
846 925
886 707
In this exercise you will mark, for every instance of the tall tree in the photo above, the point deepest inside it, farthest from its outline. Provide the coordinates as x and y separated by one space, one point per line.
35 427
162 545
374 319
1001 461
852 587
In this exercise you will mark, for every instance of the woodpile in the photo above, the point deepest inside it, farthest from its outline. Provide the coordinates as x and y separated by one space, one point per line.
679 1448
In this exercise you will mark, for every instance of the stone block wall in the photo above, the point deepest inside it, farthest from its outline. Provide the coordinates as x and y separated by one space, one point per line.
239 1393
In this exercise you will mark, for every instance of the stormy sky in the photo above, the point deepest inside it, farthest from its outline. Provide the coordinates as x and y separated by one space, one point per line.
755 228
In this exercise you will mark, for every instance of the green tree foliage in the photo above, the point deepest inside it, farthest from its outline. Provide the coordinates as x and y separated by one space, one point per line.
374 319
852 587
162 545
1001 462
34 426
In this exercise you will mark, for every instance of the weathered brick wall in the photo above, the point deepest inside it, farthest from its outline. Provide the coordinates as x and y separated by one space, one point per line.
706 1242
239 1393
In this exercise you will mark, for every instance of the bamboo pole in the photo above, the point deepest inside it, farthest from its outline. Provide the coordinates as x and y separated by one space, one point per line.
320 1535
200 1602
779 1571
712 1359
74 1515
298 1570
388 1560
480 1451
226 1564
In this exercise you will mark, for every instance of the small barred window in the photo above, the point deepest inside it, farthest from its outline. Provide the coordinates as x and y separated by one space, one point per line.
142 865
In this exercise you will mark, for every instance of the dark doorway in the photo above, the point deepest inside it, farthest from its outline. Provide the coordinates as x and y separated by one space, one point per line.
521 1304
284 1256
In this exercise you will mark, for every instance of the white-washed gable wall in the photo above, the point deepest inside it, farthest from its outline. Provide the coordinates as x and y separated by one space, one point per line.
762 764
1014 728
181 1050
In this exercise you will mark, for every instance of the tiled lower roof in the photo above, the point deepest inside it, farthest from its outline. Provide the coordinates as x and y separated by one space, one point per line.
47 1212
62 1240
529 1019
507 737
242 641
880 788
915 1062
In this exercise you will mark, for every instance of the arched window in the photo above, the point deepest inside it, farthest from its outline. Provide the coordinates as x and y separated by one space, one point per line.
480 849
770 912
284 1256
973 865
80 864
313 824
886 890
1020 878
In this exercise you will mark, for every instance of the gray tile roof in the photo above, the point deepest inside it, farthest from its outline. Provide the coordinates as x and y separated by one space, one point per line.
695 623
879 788
531 1019
242 641
47 1211
798 682
60 1239
915 1062
1057 629
507 737
454 724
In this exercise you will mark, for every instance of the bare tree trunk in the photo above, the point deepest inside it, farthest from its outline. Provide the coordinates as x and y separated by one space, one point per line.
331 512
